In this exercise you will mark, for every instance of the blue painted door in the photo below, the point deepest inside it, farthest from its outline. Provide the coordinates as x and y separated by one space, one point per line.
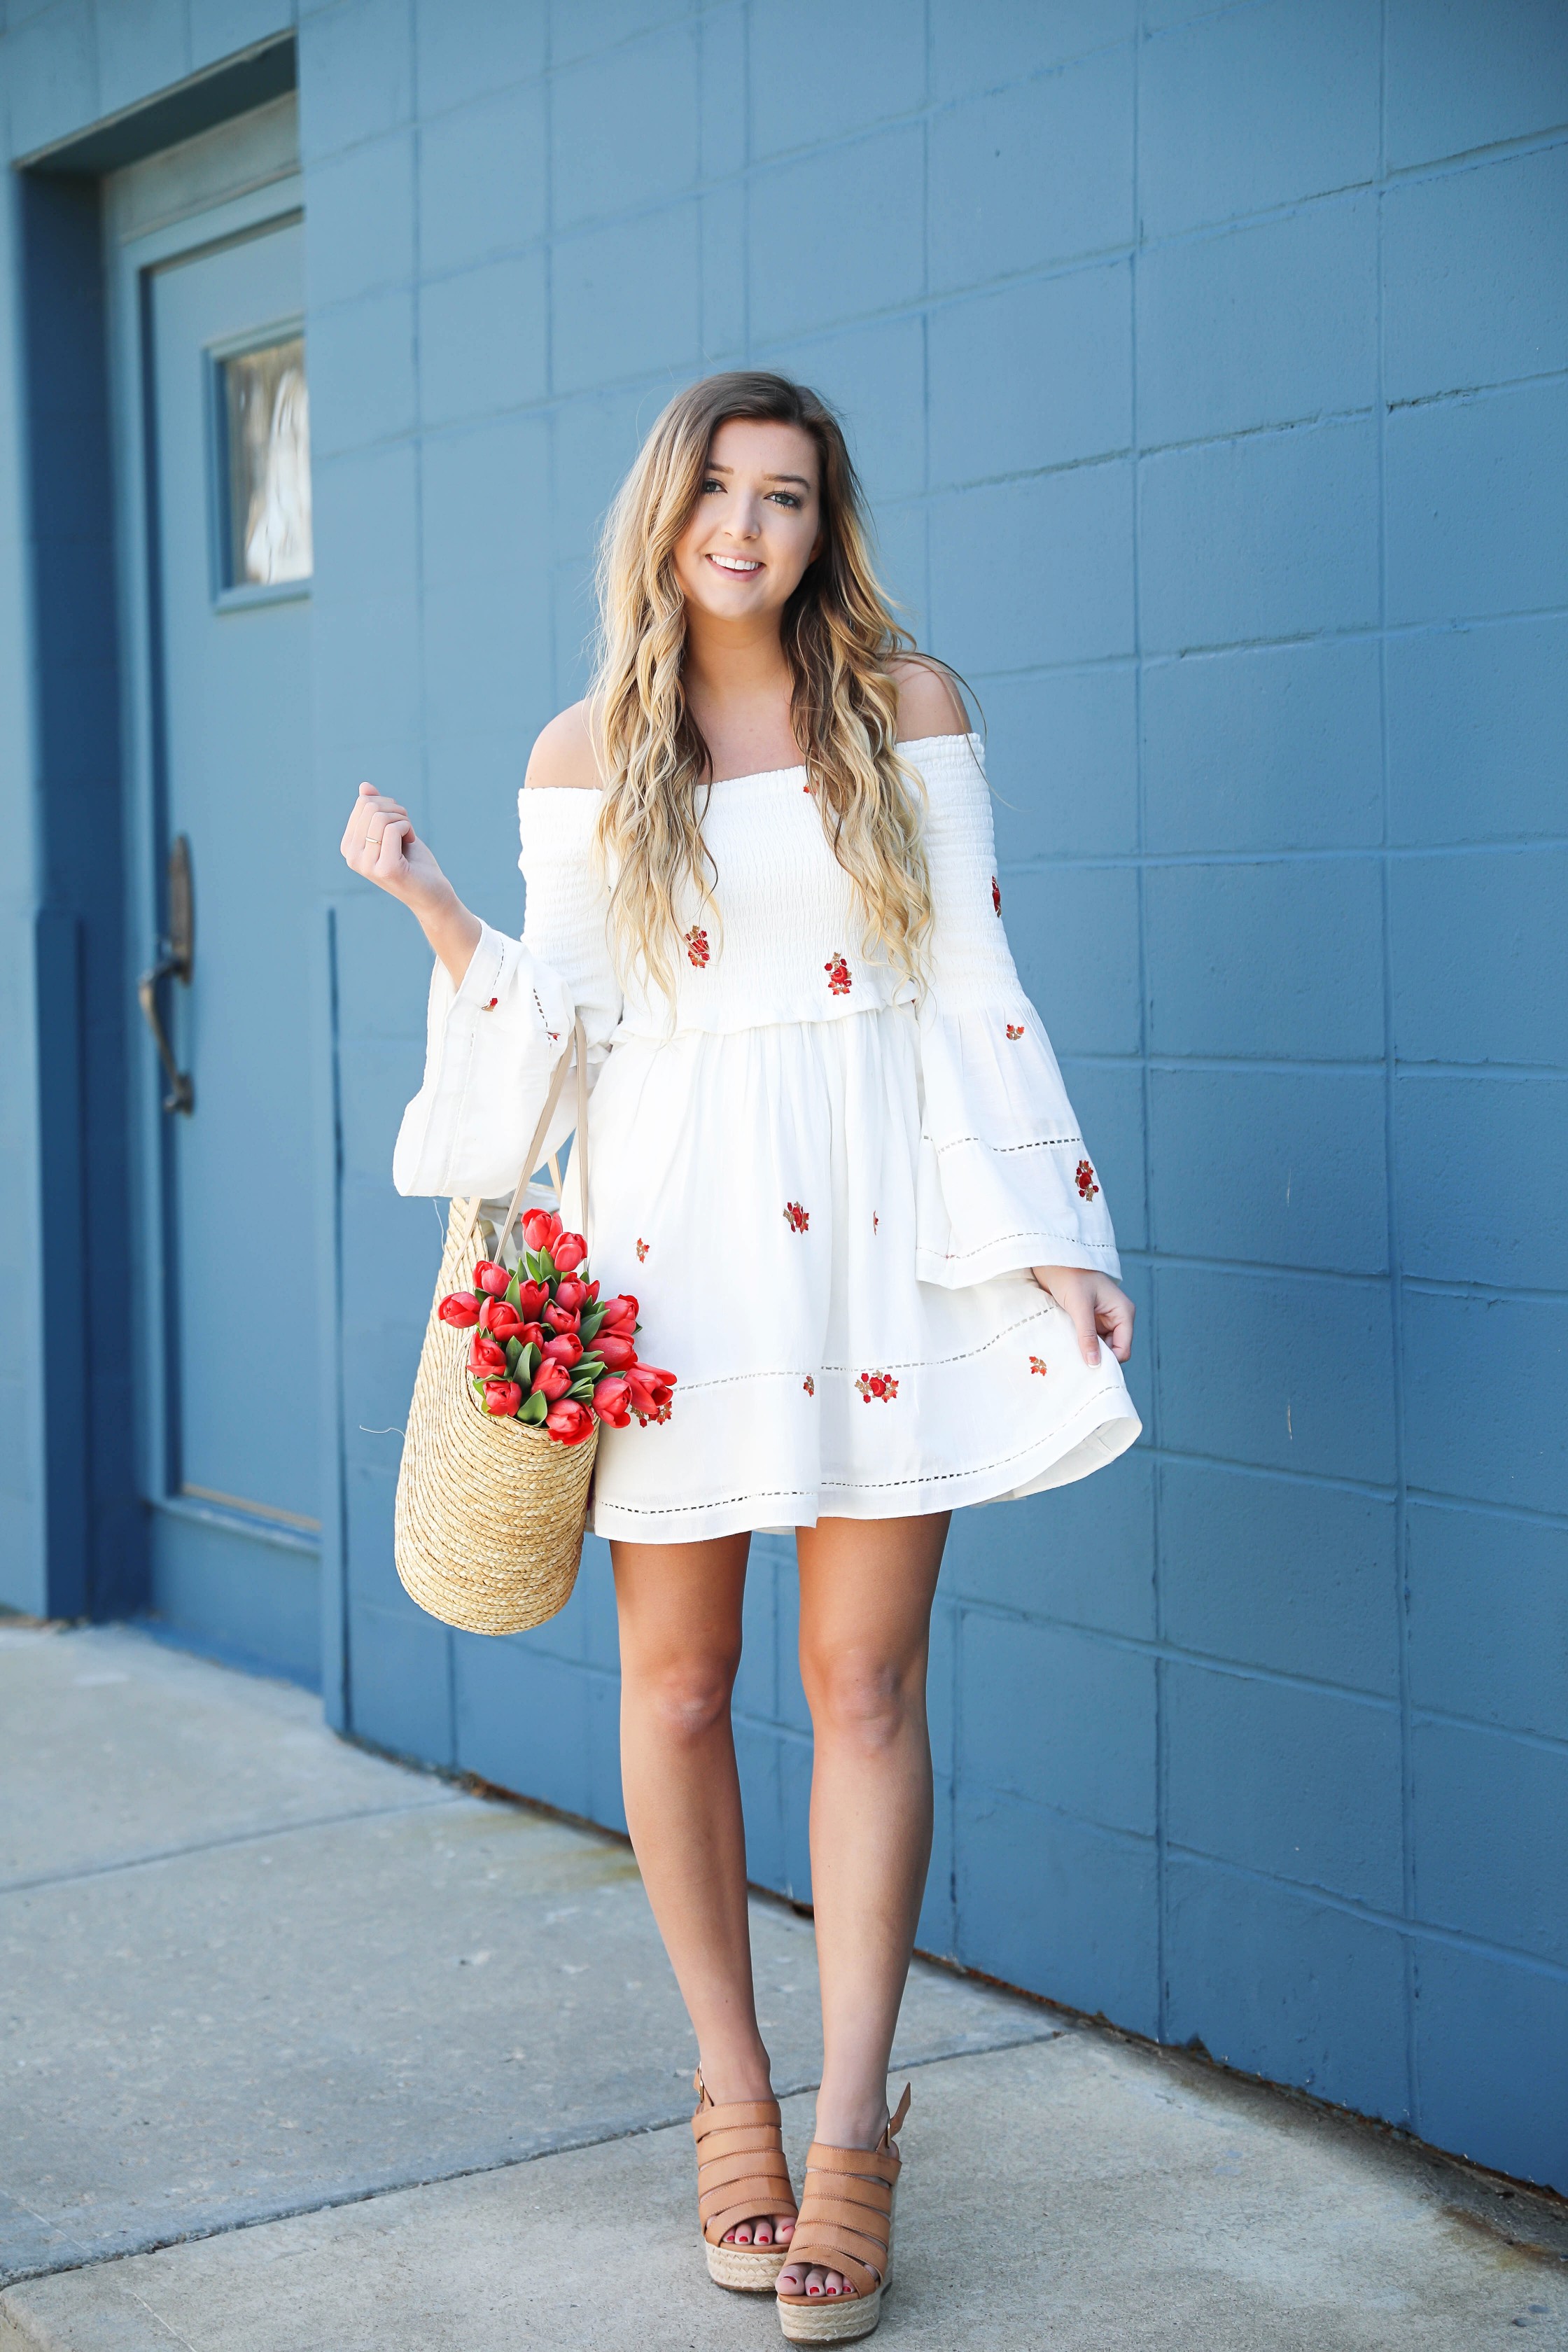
237 1524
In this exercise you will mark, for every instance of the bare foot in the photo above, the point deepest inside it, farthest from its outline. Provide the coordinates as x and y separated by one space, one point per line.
798 2278
767 2229
810 2278
761 2228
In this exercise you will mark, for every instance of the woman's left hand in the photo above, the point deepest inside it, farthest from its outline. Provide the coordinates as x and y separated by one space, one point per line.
1096 1308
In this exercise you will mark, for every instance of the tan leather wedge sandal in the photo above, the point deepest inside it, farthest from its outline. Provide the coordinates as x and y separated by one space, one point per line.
845 2225
740 2176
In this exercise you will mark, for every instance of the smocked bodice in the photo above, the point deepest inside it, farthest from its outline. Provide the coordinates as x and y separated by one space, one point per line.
781 938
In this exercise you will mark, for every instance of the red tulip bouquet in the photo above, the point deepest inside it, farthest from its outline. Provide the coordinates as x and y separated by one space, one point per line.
547 1349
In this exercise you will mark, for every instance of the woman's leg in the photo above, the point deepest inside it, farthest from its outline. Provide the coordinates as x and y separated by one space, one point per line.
866 1593
680 1607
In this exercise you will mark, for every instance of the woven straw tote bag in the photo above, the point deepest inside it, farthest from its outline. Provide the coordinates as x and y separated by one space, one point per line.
490 1514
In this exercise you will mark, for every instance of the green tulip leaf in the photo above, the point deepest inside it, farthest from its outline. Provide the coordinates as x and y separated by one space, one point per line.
534 1409
513 1350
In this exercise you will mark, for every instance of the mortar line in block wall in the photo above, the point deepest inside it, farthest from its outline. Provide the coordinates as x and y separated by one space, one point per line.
1401 1595
746 182
547 111
1411 1932
1151 1335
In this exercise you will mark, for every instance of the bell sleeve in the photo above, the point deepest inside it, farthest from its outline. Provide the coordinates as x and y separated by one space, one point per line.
492 1042
1005 1180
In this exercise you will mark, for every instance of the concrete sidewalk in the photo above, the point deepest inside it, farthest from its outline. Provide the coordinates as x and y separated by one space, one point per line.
306 2049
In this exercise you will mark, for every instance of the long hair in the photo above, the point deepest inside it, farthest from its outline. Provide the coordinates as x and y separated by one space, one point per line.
838 634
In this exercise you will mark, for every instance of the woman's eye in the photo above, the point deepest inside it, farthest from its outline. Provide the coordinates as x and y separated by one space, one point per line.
712 483
785 498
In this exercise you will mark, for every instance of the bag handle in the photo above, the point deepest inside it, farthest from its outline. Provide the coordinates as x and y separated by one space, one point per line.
531 1159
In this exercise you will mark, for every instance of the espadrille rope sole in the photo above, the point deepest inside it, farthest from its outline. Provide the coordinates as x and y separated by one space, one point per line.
845 2225
832 2318
750 2270
740 2176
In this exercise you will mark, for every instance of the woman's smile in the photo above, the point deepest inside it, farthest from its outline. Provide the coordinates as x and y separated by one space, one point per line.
742 565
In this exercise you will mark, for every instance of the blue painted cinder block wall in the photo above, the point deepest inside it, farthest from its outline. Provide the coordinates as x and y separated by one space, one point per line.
1208 367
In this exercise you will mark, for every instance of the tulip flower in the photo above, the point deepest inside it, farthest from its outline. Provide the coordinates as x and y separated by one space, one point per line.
620 1312
569 1423
460 1308
612 1401
571 1293
653 1391
552 1380
616 1348
540 1228
565 1348
487 1359
563 1319
502 1398
501 1319
532 1298
568 1249
491 1278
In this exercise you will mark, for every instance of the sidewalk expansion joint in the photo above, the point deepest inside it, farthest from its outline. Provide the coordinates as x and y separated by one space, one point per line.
220 1844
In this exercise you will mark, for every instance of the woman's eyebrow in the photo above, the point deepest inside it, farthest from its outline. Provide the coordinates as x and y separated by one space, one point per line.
767 477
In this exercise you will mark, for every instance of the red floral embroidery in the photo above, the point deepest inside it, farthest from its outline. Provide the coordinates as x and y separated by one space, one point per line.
798 1218
809 1385
995 893
660 1412
1037 1364
494 1002
877 1384
1015 1031
697 947
642 1251
876 1221
838 975
1086 1186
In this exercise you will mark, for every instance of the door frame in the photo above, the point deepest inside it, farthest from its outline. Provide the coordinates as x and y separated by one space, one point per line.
134 253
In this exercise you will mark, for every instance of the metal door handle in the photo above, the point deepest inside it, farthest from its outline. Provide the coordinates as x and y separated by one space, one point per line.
175 963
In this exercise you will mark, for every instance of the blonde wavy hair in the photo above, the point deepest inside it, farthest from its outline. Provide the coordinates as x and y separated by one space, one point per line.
839 636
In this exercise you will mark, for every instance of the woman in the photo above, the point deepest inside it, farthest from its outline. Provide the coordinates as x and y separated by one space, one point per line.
831 1150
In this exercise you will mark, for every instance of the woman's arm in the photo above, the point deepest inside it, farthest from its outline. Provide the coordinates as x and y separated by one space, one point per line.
380 843
929 704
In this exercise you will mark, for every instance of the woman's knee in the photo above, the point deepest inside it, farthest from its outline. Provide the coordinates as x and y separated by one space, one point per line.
685 1697
863 1696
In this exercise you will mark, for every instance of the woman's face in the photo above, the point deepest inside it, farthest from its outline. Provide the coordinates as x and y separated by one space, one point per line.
757 522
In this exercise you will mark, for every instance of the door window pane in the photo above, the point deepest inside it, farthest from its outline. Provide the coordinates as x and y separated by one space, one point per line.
268 417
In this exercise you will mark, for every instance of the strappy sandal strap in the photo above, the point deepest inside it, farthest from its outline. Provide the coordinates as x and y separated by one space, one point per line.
846 2209
740 2168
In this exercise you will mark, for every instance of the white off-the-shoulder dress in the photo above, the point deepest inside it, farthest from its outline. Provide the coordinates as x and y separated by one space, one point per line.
826 1195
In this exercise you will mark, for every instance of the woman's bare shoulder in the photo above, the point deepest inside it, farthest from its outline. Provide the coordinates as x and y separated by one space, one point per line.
929 701
563 753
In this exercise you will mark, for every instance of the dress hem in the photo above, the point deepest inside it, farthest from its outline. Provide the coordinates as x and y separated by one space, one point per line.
1071 1452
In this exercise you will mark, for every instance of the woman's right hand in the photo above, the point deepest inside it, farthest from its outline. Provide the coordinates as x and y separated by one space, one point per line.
379 842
